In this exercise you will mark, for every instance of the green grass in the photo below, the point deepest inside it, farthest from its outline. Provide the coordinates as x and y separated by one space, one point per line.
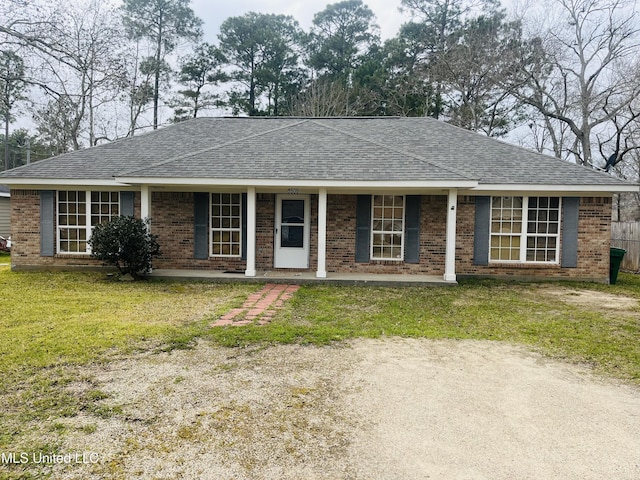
52 323
51 319
490 310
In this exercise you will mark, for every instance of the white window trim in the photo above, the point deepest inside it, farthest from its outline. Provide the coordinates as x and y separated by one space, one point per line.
524 235
87 220
211 229
402 232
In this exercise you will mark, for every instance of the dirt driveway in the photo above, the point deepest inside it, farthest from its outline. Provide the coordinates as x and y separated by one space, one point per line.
372 409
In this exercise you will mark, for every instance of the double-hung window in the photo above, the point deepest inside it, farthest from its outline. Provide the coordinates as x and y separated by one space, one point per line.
78 212
226 224
525 229
387 227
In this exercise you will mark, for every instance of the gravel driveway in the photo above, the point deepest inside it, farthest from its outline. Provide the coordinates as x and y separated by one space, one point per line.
372 409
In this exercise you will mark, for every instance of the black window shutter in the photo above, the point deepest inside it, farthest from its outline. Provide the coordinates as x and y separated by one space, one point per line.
47 227
570 207
200 225
412 229
126 204
363 228
481 231
243 234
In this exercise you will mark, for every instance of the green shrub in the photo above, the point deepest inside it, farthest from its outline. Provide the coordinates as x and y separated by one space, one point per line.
126 243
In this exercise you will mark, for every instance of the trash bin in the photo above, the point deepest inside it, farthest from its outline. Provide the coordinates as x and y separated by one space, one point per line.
616 255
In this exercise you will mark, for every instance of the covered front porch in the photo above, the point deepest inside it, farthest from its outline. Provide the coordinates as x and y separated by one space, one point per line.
320 234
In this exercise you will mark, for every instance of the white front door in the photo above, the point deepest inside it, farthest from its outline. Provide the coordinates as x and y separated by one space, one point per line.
291 245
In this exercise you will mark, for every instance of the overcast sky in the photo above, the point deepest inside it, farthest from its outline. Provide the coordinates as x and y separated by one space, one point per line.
213 13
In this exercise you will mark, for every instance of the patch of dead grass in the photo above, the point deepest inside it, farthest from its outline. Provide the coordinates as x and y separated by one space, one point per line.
591 299
274 408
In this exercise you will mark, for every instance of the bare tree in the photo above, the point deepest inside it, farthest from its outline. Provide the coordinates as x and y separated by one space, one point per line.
74 51
581 72
138 87
322 98
624 141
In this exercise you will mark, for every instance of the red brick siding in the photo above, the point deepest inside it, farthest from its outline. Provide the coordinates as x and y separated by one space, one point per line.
25 231
172 220
594 238
341 239
265 230
25 226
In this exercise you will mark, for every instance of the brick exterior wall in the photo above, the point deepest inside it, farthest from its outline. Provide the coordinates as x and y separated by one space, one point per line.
594 239
173 215
25 236
172 220
341 239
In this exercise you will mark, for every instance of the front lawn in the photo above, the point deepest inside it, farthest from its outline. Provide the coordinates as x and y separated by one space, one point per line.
51 319
53 323
580 322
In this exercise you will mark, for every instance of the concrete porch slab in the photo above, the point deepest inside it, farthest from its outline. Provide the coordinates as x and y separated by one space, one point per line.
301 278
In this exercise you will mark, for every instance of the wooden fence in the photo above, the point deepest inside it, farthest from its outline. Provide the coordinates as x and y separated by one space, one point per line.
627 235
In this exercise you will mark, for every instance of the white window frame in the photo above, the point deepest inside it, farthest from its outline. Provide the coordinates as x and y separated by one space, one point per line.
225 229
524 235
87 227
388 232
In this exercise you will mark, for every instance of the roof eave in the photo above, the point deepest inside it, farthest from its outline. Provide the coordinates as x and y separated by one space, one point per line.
574 189
67 182
472 186
309 183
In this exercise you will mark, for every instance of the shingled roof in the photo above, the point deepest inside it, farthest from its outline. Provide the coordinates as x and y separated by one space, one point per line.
319 149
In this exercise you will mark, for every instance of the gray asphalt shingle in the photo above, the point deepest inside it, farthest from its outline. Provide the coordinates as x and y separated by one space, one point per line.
349 149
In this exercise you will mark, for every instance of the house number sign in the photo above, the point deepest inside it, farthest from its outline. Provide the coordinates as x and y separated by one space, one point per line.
293 191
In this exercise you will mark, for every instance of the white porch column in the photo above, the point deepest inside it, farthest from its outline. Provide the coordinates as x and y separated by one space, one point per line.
322 233
251 232
450 256
145 202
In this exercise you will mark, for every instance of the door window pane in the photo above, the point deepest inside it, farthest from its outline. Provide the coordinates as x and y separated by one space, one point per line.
292 211
292 236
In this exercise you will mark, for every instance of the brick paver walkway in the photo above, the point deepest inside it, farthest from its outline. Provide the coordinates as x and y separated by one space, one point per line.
259 307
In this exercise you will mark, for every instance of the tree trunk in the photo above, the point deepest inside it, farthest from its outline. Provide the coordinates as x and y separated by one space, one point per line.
6 141
252 90
92 133
156 84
